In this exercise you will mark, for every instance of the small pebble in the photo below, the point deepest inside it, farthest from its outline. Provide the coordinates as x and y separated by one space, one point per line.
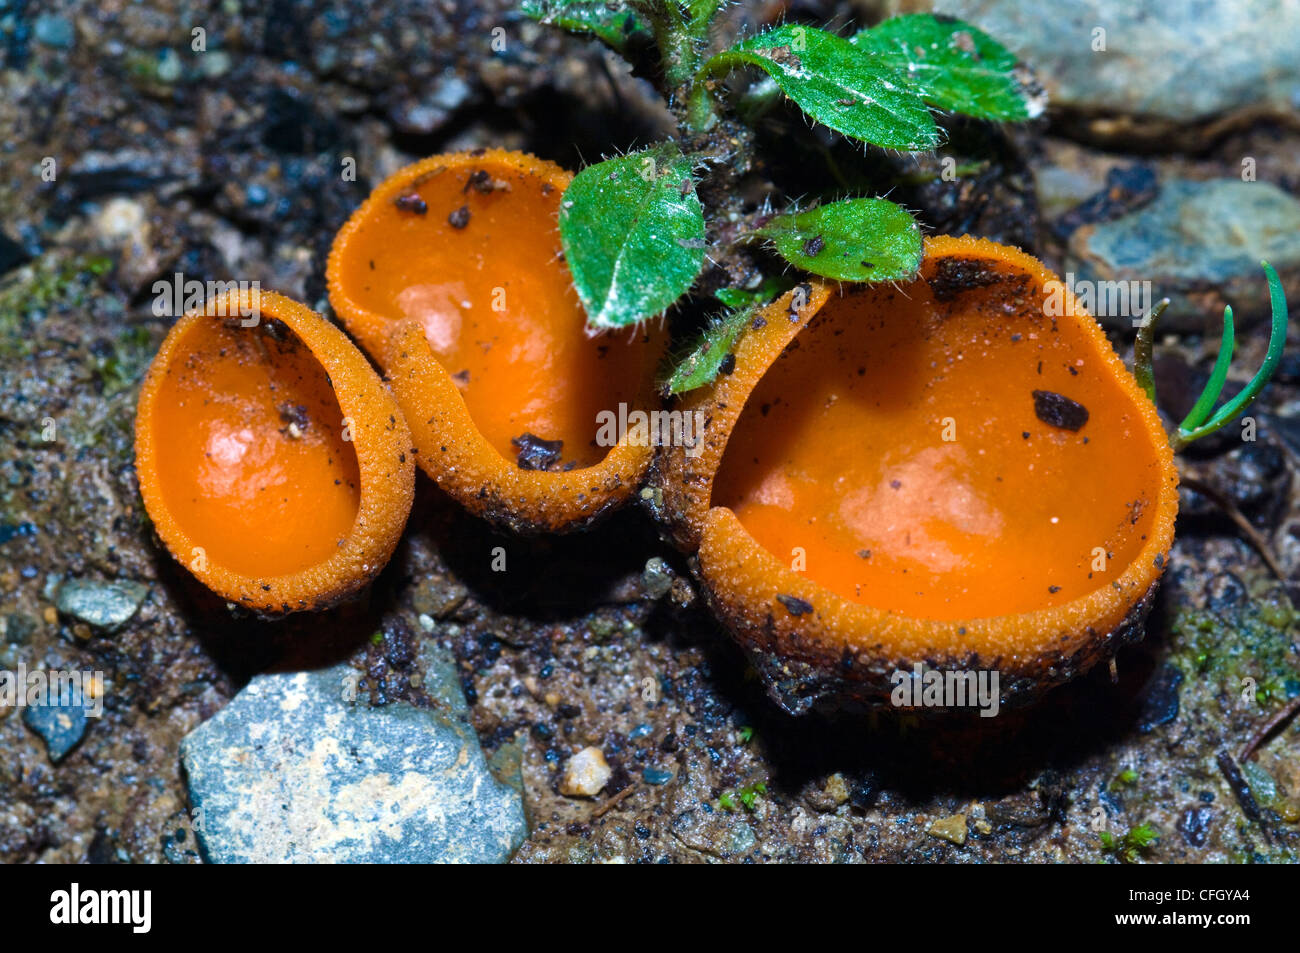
585 774
105 605
951 828
656 776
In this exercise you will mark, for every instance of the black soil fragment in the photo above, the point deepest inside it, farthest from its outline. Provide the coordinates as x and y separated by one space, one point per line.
536 453
813 246
295 417
953 277
482 182
1057 410
459 218
411 203
794 605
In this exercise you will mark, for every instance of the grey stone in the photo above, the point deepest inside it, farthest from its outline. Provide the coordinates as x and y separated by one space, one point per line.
169 67
442 680
657 577
61 724
292 772
105 605
55 31
1199 243
1178 60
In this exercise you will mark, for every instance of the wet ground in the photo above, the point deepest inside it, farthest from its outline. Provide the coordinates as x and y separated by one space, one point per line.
127 156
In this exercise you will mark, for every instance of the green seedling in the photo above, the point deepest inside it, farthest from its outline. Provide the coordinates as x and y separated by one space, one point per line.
638 234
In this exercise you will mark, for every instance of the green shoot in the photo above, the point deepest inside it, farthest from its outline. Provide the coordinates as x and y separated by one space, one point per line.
1203 420
1130 847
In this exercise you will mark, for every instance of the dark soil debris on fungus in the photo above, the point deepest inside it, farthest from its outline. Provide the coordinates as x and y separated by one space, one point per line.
1057 410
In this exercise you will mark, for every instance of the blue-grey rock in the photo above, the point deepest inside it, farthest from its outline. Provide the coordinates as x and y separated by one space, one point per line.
1178 60
292 772
442 680
61 724
1159 698
55 31
1200 244
105 605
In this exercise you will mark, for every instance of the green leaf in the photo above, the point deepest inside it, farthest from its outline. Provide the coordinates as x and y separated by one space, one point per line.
951 65
852 240
703 361
633 235
611 26
838 85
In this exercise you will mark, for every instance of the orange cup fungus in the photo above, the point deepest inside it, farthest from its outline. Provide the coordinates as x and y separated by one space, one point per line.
274 463
957 473
451 276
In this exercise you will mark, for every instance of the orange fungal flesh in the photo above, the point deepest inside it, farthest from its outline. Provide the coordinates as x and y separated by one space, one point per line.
898 446
254 464
467 246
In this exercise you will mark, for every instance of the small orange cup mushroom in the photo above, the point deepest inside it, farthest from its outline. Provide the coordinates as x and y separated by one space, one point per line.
957 472
451 276
274 463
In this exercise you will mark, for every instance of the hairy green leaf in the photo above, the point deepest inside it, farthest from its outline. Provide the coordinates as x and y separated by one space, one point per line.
838 85
852 240
951 65
611 26
705 357
633 235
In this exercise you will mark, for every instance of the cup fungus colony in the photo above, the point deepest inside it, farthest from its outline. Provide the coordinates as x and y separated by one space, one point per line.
939 472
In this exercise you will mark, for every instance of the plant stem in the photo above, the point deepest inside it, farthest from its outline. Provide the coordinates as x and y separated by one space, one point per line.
681 33
1142 350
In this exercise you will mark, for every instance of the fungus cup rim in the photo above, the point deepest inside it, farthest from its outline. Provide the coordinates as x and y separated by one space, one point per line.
386 480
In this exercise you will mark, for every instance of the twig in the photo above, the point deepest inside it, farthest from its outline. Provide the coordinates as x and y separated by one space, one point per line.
1241 789
1288 711
613 802
1219 499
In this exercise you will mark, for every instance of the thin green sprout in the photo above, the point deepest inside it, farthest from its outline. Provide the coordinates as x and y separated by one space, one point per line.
1195 426
1218 377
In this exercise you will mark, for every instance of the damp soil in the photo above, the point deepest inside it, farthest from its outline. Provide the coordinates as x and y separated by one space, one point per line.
166 160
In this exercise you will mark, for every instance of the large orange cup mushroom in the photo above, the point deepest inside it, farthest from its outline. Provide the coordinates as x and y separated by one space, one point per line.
957 473
273 461
452 278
